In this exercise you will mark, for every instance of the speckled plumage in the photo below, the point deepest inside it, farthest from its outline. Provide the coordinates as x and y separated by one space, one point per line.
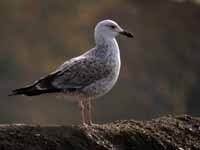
89 75
92 74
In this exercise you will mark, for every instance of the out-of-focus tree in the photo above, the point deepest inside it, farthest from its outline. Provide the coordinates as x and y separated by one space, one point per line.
159 67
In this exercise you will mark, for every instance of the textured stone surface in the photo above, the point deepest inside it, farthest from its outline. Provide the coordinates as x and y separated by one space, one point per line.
165 133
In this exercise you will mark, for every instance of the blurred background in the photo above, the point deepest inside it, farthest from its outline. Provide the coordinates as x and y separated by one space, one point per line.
160 72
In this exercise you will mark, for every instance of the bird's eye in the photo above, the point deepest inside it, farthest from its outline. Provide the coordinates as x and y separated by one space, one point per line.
113 27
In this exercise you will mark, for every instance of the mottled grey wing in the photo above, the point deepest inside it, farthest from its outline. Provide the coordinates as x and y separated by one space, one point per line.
80 73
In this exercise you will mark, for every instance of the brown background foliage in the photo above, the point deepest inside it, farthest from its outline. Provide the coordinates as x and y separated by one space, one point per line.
160 66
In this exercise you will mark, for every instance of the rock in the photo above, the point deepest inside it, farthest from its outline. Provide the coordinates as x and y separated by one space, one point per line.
165 133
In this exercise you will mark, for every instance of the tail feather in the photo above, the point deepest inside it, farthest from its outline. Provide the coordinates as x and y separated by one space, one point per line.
28 91
40 86
33 91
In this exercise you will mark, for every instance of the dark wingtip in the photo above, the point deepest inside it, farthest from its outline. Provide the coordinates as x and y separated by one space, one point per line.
13 93
17 92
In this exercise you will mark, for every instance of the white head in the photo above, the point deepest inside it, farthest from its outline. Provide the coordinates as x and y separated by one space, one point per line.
108 29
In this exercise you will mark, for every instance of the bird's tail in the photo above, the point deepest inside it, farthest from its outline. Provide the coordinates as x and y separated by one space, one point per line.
28 91
41 86
33 90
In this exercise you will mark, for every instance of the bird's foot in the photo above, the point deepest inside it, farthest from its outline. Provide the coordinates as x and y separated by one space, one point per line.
84 124
89 124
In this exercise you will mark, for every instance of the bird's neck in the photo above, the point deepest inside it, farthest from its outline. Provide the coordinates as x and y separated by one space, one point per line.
107 44
100 39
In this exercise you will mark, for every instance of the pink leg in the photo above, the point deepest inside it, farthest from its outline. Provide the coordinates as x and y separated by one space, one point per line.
82 111
89 107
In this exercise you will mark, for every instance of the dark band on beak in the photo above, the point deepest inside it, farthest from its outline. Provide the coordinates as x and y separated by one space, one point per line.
126 33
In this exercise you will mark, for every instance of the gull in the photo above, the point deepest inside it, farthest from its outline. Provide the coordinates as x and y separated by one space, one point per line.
88 76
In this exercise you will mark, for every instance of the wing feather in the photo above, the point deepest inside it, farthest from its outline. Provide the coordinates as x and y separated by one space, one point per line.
80 72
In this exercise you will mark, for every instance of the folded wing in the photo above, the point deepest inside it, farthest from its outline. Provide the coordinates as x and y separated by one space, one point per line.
73 75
